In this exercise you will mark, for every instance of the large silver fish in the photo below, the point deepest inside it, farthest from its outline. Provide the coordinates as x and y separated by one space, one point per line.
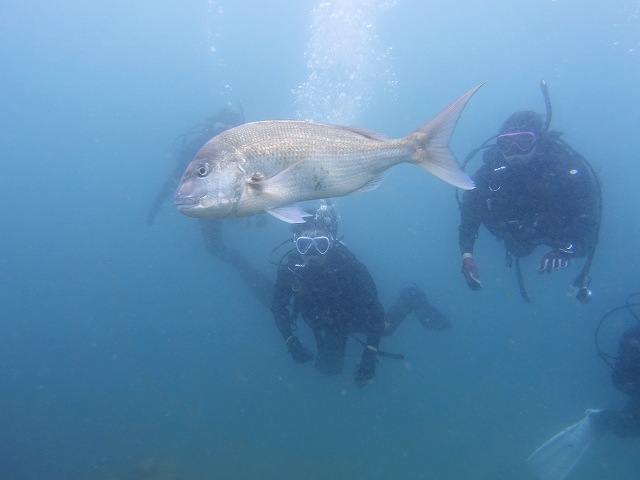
270 166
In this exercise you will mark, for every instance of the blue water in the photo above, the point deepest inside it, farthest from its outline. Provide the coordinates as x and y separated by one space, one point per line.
128 352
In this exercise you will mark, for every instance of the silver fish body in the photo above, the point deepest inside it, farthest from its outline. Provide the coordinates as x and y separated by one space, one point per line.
271 165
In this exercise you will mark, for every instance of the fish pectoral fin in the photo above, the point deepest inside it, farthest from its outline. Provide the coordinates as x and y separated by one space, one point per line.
280 182
289 214
371 184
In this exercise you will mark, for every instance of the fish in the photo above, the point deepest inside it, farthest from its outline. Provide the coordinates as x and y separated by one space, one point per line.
271 166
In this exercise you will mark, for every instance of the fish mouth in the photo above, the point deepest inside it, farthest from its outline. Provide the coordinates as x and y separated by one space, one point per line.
201 206
186 203
192 206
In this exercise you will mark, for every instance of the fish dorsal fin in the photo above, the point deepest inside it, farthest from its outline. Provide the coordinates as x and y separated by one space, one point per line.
370 134
289 214
371 184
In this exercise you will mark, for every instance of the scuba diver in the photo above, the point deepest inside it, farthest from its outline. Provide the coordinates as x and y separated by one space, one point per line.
533 189
186 146
322 281
558 456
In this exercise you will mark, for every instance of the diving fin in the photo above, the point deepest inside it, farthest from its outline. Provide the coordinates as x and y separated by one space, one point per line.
555 458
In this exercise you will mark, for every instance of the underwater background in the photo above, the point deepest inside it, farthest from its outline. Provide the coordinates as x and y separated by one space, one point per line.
129 352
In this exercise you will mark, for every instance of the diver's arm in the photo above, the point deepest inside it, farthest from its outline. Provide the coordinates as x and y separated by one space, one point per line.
281 298
374 325
472 212
577 201
371 315
584 223
473 207
470 220
280 307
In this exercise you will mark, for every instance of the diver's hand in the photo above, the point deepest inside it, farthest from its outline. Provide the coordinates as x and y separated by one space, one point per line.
366 370
298 352
555 259
471 273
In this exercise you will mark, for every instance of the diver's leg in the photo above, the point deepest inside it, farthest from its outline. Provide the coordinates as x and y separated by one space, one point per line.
211 230
429 316
258 282
413 299
397 312
331 349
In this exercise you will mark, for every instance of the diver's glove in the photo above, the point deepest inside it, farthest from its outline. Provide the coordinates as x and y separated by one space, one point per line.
471 272
555 259
298 352
366 370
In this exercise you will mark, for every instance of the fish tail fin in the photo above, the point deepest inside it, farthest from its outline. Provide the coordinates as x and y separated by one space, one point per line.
433 152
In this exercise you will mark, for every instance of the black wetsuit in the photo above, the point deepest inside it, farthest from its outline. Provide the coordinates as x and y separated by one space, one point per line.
335 296
413 300
551 199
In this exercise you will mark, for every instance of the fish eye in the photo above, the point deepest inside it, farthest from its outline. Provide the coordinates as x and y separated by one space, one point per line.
203 170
